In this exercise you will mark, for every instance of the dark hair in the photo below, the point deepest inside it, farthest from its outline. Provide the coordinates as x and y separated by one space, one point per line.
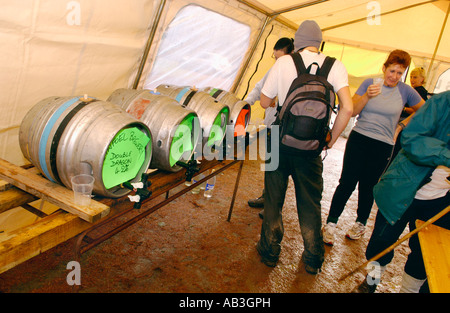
285 43
399 57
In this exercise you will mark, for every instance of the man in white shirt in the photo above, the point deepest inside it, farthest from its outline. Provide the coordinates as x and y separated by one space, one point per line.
282 47
306 172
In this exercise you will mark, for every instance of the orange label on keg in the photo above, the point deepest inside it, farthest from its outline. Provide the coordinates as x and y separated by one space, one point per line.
138 107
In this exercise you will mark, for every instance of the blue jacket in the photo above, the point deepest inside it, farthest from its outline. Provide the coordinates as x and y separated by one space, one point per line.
425 145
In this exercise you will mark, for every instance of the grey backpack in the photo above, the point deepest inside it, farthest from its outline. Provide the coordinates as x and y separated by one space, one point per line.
305 115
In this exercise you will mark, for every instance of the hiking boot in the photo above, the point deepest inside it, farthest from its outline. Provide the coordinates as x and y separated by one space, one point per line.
270 261
311 270
328 233
257 203
356 231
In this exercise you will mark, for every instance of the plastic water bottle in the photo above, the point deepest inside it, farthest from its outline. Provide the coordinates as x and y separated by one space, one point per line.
197 178
210 183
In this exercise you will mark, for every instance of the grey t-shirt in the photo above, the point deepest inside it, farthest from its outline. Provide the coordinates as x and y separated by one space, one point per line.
379 118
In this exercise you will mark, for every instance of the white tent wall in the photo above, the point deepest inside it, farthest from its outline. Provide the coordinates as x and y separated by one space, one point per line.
64 48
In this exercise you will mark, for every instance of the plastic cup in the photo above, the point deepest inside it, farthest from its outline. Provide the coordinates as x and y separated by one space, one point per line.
378 81
82 186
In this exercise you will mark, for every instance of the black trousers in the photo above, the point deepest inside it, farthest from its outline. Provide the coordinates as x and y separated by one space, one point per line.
385 234
307 176
365 160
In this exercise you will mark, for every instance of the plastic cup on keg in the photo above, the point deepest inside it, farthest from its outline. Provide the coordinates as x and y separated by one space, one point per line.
82 186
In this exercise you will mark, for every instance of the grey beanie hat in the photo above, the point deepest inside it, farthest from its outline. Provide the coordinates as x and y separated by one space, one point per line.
308 34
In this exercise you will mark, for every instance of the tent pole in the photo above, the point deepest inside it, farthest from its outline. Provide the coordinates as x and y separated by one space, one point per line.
438 43
247 61
298 7
149 43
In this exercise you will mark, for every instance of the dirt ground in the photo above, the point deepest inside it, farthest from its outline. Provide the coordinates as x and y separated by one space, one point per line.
189 246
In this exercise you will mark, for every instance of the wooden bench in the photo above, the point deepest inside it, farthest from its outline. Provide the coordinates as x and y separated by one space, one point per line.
435 245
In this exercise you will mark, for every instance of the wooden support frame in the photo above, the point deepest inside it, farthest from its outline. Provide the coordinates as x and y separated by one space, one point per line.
51 230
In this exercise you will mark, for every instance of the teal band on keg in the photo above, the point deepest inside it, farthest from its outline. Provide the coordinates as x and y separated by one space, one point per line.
182 93
46 134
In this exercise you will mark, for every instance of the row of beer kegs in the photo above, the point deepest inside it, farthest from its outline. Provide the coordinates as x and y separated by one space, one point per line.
119 139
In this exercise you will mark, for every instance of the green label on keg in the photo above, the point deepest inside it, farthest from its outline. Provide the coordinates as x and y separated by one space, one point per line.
218 128
125 157
182 140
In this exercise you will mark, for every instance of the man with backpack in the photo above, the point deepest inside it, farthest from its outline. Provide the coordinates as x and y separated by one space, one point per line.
303 134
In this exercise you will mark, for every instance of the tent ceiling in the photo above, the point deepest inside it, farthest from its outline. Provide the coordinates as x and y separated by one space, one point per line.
412 25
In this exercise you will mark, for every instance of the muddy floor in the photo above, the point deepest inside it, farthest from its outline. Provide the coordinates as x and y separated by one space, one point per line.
189 246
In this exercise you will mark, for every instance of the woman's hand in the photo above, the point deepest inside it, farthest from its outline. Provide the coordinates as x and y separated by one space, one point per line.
373 90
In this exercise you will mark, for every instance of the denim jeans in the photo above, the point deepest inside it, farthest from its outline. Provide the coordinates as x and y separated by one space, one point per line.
307 176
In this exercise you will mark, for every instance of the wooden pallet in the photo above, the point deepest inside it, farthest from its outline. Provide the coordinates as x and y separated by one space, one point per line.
44 189
48 231
22 186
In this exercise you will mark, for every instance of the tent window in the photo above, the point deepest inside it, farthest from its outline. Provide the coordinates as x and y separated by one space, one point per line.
200 48
443 83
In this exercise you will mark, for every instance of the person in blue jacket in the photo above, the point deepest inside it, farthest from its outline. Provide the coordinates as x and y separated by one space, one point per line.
416 186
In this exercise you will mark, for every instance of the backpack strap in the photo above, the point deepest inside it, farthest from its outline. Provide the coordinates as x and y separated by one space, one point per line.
323 71
299 64
326 67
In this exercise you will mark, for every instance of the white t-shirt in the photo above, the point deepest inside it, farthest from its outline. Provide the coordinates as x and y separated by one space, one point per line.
283 73
437 187
255 94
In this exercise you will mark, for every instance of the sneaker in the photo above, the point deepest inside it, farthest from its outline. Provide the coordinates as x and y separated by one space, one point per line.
356 231
328 233
257 203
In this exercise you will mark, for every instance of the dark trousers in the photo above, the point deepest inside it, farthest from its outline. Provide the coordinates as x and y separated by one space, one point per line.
385 234
365 160
307 176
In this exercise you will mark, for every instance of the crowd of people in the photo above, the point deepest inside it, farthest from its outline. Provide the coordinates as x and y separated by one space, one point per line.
399 130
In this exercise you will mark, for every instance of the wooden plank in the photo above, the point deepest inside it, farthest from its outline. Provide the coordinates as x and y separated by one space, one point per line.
13 198
435 245
29 241
4 185
51 192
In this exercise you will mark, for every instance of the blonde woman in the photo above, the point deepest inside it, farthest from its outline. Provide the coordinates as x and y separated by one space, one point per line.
417 79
